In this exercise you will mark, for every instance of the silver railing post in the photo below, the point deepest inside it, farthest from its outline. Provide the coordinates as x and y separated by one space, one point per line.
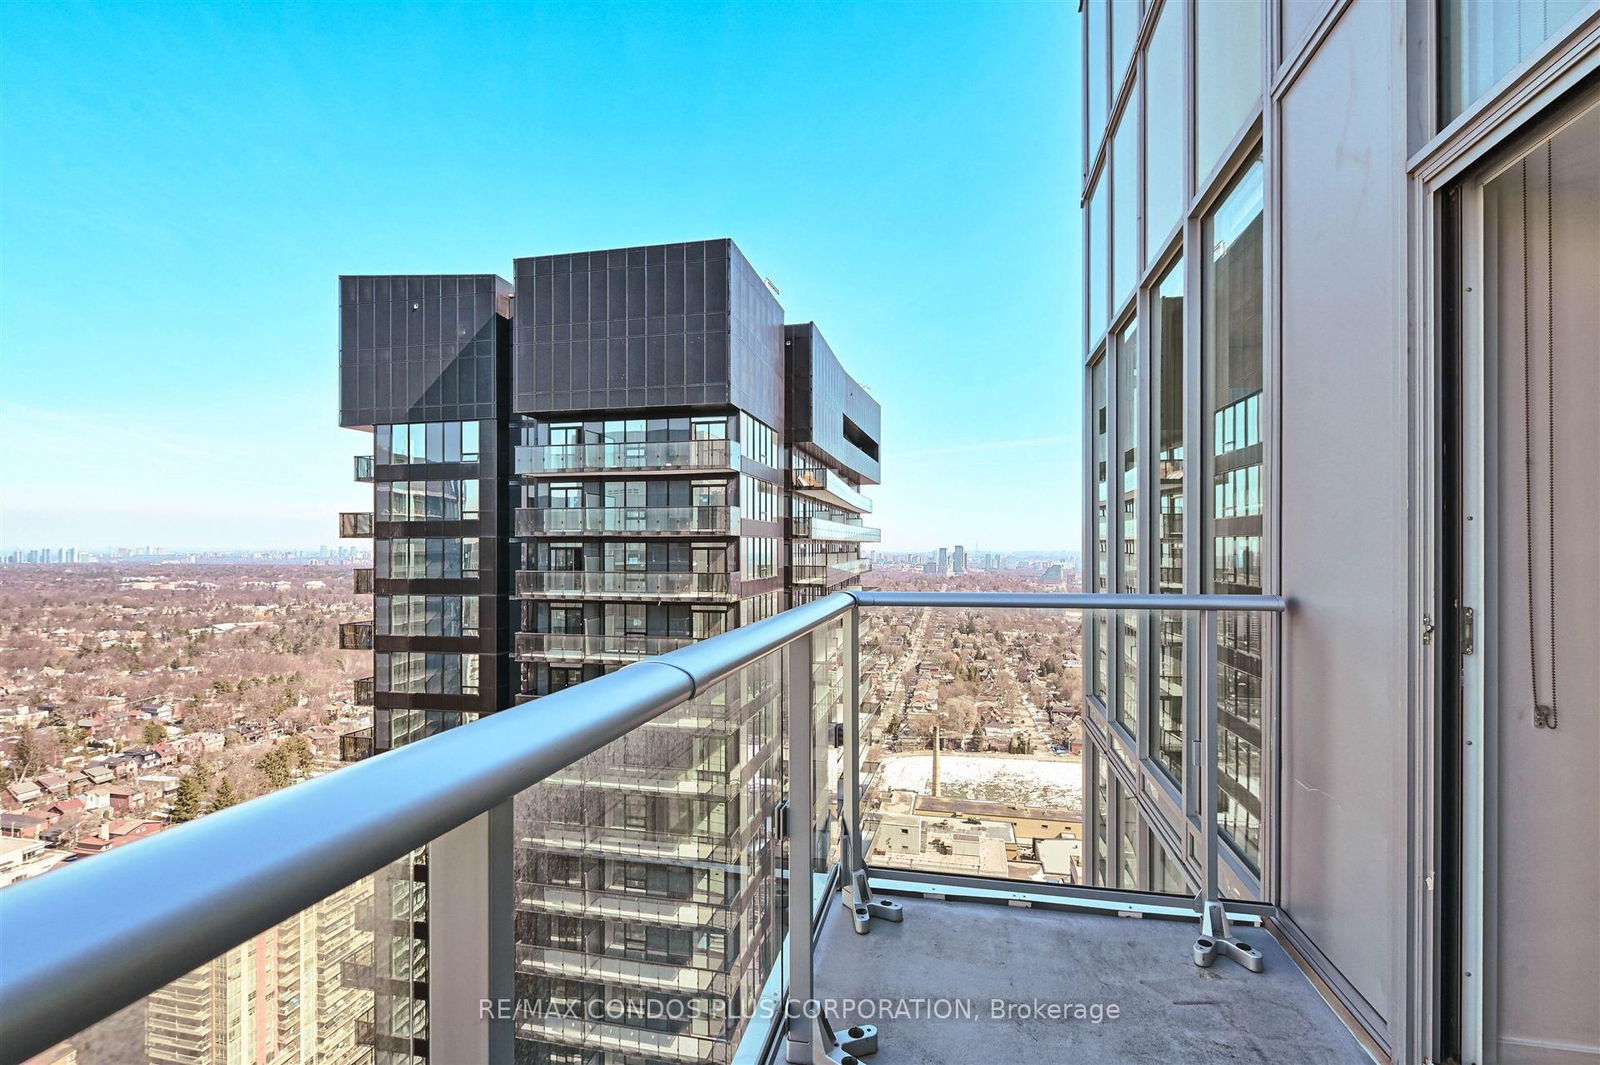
855 890
809 1038
851 811
1215 935
471 983
798 700
1208 753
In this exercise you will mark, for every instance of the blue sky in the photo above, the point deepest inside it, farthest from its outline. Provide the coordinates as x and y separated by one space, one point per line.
180 186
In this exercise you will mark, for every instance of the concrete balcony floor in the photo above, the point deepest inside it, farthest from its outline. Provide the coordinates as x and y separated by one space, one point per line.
1170 1011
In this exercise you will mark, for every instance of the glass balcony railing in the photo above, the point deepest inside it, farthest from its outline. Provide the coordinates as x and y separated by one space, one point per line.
633 521
355 523
618 648
365 689
661 456
355 636
354 746
817 528
365 468
829 487
829 574
363 580
623 584
736 785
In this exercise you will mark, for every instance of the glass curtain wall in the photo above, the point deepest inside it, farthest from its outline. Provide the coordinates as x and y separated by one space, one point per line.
1171 158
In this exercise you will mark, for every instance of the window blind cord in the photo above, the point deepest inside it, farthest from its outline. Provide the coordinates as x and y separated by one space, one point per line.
1544 714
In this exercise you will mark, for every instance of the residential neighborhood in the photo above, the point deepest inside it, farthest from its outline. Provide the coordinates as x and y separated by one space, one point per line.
130 700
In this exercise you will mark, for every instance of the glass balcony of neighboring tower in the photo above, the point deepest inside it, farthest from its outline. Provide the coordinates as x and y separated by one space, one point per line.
828 487
659 456
826 575
355 636
365 468
815 527
606 521
363 580
355 523
620 647
622 584
365 689
355 746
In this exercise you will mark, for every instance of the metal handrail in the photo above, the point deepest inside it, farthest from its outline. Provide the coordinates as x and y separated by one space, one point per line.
1272 604
88 940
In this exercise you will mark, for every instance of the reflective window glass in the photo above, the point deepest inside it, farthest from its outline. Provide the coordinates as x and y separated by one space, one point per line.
1227 84
1233 287
1480 42
1099 259
1166 352
1095 71
1127 368
1163 136
1124 30
1125 205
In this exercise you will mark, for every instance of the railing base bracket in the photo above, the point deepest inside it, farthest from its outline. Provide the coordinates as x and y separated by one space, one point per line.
855 893
825 1046
1216 938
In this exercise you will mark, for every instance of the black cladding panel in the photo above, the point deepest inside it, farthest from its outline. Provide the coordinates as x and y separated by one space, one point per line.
828 408
668 325
419 348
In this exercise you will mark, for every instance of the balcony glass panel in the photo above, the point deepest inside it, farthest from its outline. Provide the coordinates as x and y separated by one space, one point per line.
355 524
364 467
647 882
1003 688
310 988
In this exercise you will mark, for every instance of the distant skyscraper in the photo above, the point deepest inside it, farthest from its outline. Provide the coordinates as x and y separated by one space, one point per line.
959 560
944 562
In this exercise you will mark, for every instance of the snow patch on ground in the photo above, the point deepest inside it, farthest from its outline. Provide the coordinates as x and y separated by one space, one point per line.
1018 781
